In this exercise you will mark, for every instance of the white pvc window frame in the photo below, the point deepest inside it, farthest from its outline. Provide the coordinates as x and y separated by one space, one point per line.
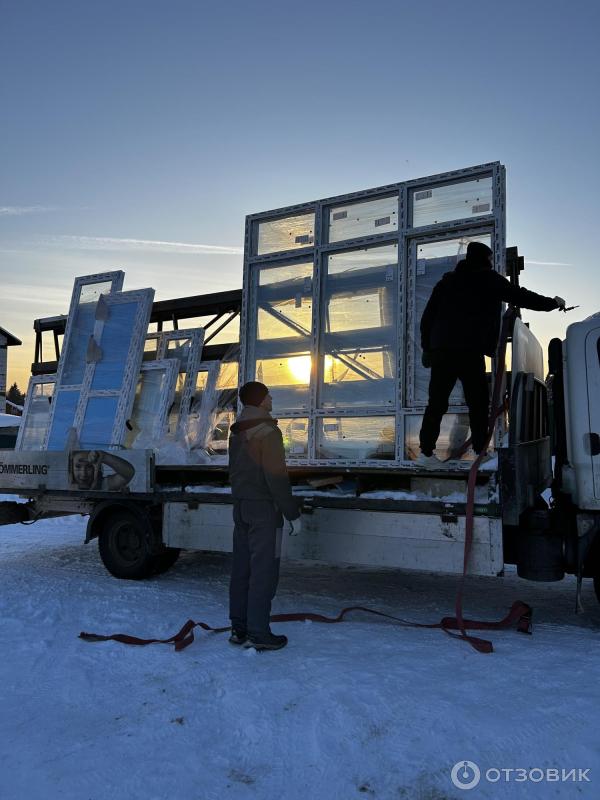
196 337
317 251
125 393
208 407
115 279
170 368
34 381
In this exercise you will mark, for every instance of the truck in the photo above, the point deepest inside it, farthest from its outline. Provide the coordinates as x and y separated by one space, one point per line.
128 422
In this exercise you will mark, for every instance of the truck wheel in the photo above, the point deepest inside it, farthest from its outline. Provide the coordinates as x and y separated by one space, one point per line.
124 546
164 561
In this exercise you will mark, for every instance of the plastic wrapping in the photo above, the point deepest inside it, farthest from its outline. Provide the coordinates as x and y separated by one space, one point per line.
287 233
454 431
356 438
363 219
451 201
294 431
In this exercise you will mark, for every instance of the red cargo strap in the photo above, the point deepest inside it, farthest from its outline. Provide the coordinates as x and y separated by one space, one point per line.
519 614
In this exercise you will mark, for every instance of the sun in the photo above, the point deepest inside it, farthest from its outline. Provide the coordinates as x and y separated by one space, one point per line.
299 367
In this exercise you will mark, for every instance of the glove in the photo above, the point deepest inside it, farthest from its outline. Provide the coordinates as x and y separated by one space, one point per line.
426 359
560 303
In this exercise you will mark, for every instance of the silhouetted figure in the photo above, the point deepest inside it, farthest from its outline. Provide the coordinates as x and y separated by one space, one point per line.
459 327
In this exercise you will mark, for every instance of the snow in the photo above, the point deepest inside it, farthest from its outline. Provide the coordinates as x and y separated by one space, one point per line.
360 709
9 421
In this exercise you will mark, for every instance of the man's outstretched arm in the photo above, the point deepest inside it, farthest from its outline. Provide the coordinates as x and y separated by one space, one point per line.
524 298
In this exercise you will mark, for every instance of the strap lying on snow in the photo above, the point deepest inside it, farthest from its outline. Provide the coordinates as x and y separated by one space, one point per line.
519 613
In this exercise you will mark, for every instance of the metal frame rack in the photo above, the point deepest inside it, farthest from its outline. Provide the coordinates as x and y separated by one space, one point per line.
310 271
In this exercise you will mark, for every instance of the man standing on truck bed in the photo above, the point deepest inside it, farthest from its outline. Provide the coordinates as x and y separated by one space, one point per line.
459 327
262 496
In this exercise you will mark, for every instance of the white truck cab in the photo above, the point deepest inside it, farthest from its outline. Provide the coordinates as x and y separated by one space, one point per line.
581 370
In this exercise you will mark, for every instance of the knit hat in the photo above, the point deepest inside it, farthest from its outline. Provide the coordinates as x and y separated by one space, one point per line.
253 393
478 253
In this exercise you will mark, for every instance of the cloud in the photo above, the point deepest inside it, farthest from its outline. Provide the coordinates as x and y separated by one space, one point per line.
529 261
19 211
111 243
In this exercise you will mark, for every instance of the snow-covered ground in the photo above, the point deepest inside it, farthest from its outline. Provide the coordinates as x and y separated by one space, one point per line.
360 709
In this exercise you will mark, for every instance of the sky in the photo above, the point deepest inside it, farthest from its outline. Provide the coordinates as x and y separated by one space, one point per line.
137 135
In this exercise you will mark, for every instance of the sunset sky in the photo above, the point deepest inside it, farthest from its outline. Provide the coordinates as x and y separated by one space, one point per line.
138 135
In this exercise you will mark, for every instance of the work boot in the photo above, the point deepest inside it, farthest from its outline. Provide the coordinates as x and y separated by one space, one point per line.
429 462
266 641
238 636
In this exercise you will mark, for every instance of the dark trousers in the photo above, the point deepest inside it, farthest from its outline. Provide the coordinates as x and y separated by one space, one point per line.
255 568
448 366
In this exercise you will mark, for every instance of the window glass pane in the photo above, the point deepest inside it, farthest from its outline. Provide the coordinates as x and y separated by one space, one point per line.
359 337
359 377
64 416
173 417
90 292
451 201
218 440
434 259
115 343
180 349
284 301
98 422
454 432
151 347
284 322
199 391
356 438
295 436
35 424
288 379
288 233
228 375
82 328
147 408
363 219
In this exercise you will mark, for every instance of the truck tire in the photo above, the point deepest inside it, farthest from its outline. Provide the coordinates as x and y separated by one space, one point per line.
165 560
124 546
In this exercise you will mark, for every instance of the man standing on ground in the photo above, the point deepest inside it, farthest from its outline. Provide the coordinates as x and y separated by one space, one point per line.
459 327
262 496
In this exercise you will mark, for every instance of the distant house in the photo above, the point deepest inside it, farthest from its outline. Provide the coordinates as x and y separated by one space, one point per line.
6 340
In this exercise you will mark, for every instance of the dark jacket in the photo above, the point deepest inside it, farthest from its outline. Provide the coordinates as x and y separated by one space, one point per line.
463 312
257 469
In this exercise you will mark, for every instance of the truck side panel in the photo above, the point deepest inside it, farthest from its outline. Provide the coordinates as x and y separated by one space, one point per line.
429 542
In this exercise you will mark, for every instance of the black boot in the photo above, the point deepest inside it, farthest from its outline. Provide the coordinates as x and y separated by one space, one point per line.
238 636
266 641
